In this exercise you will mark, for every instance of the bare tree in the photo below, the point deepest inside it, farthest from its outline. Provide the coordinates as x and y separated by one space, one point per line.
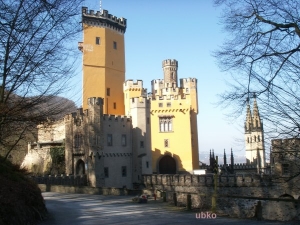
262 53
35 63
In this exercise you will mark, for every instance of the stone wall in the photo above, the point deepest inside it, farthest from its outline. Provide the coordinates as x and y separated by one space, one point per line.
236 195
61 180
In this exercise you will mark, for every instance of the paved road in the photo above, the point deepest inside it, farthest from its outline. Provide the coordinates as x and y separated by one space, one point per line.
73 209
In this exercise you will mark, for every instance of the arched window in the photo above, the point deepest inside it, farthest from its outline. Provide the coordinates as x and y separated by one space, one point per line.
258 138
248 139
256 122
165 126
254 138
169 126
162 126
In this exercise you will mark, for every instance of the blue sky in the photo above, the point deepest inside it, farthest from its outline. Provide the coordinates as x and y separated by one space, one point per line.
189 32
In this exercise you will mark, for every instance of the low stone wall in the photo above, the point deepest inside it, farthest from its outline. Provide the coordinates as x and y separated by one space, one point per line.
87 190
61 180
239 196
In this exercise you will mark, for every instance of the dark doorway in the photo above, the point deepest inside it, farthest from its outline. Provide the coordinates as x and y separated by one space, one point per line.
167 165
80 167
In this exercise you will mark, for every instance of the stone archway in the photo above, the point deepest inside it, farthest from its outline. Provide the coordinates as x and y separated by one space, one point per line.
80 170
167 165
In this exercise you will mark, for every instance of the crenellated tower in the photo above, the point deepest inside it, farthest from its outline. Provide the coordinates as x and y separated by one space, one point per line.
174 109
254 137
103 59
170 67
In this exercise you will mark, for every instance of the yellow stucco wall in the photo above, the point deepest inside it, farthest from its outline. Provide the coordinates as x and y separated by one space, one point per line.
183 143
104 67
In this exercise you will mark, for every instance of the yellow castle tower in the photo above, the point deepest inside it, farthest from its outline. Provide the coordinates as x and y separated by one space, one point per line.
174 109
103 59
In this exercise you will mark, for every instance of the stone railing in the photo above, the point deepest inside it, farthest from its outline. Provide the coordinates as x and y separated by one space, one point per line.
206 180
77 180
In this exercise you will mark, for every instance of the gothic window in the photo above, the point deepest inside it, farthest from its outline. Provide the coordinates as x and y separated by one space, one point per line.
106 172
248 139
123 140
78 140
165 124
124 171
98 140
166 143
109 140
254 138
258 138
285 169
256 123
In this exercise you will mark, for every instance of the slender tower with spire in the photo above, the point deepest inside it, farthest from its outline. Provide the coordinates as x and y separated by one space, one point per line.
254 137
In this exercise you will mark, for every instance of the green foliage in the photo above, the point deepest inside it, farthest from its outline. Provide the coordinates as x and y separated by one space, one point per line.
58 160
57 155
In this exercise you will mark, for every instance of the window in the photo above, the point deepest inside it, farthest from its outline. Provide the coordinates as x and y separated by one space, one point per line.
124 171
115 105
160 105
169 104
248 139
285 169
97 40
108 91
123 140
165 124
166 143
254 138
147 164
109 140
115 45
78 140
106 172
142 144
98 140
258 138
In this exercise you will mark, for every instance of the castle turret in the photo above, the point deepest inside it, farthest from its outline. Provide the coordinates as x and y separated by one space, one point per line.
103 59
170 72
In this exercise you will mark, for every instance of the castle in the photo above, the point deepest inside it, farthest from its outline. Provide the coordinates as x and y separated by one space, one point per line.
121 132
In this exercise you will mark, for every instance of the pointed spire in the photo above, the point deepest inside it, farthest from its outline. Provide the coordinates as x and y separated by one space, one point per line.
225 159
255 108
213 154
248 122
232 160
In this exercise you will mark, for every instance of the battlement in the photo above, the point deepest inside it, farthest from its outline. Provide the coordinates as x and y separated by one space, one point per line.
188 83
133 84
139 102
95 101
170 62
103 19
116 118
290 144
